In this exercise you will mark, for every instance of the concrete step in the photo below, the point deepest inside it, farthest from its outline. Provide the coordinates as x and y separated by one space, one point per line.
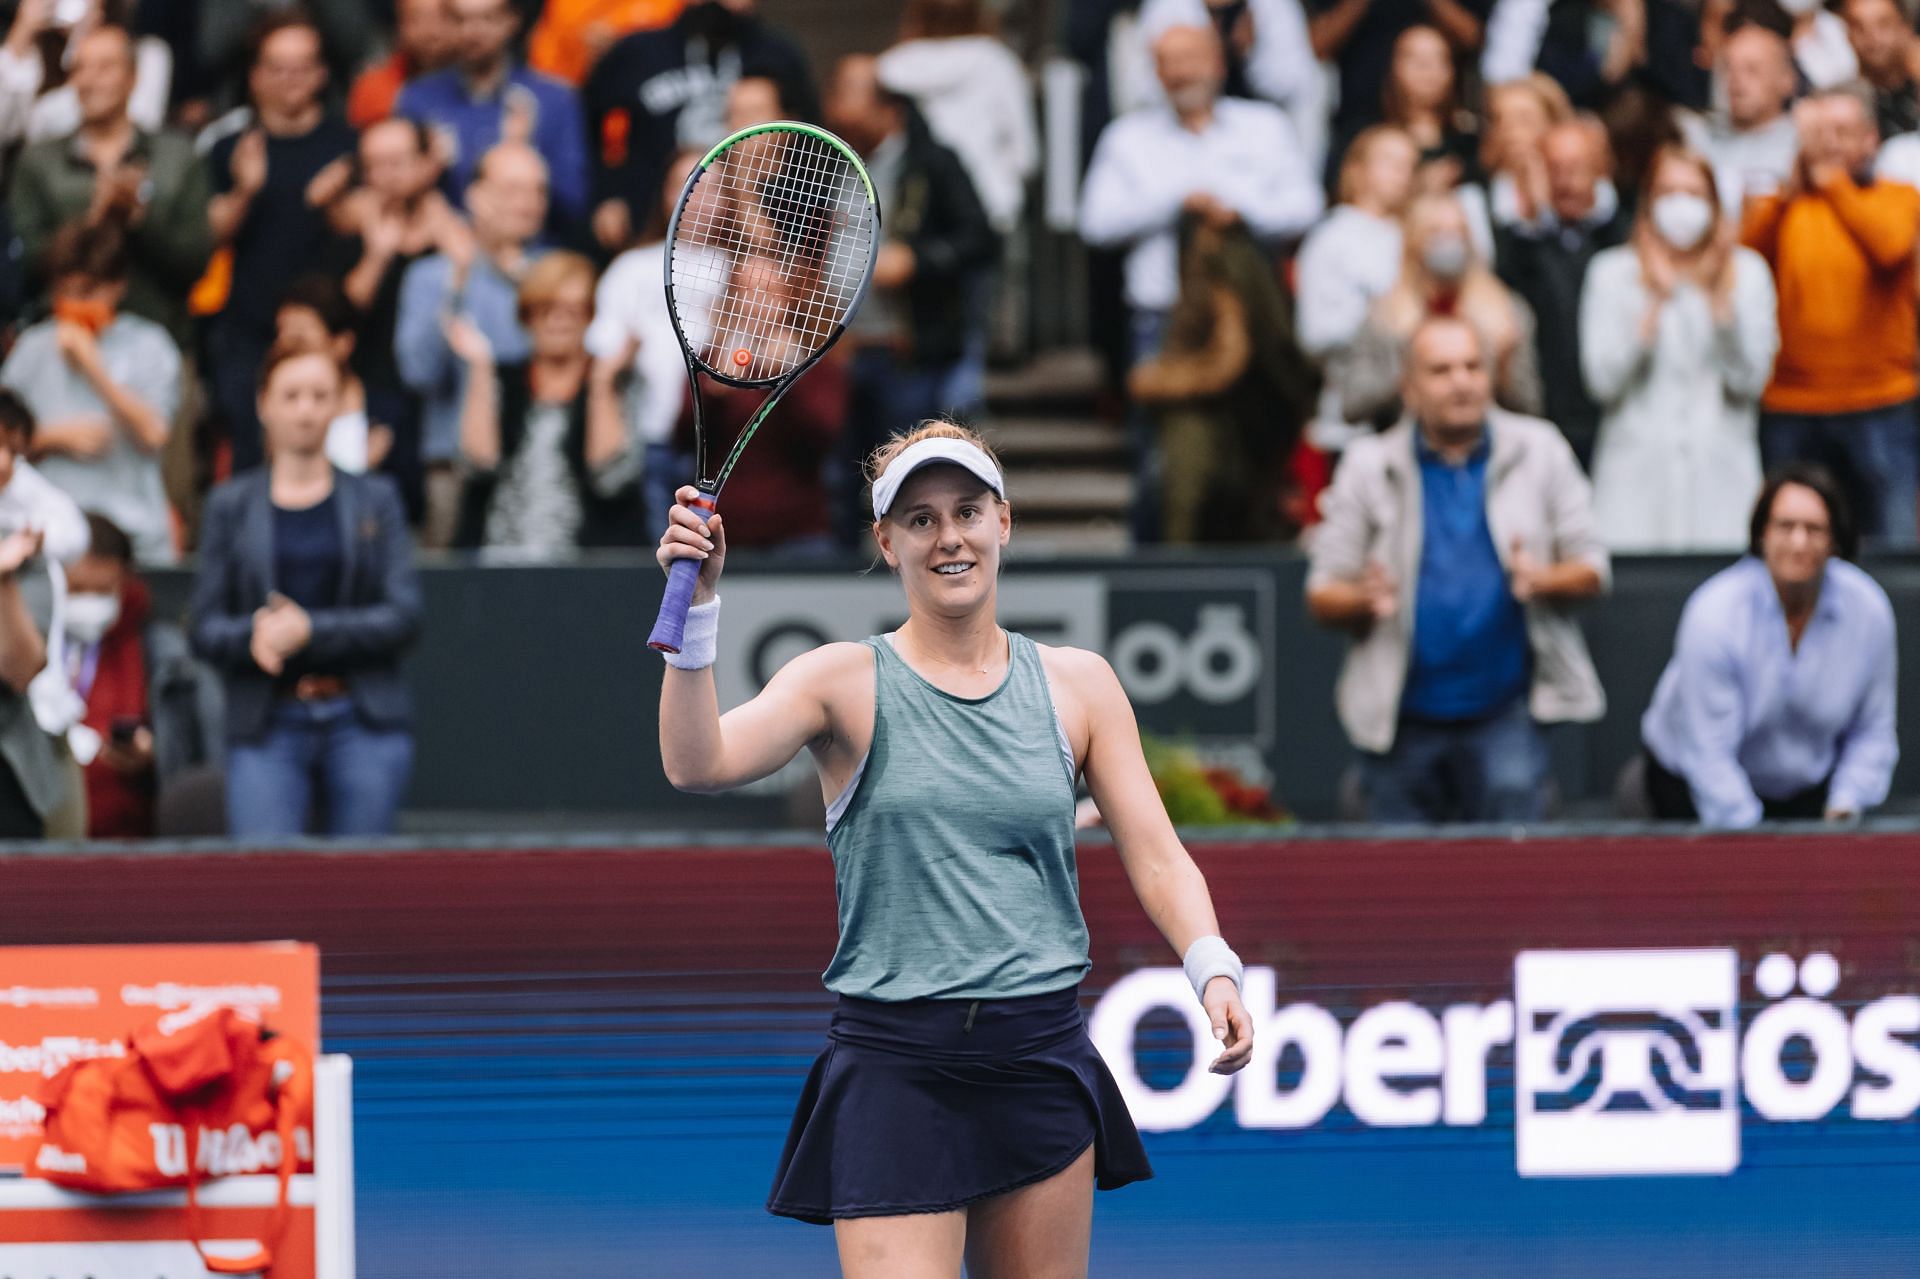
1079 492
1041 538
1026 441
1053 383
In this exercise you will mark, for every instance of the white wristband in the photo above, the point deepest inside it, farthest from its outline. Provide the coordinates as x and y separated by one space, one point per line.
700 641
1211 957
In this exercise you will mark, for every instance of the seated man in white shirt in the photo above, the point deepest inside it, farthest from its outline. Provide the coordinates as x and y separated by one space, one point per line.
1268 57
1223 160
1226 162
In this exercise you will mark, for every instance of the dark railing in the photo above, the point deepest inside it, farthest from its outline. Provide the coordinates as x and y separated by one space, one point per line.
537 698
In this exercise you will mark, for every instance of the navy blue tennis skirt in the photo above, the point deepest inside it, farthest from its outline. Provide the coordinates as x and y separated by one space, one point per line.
928 1105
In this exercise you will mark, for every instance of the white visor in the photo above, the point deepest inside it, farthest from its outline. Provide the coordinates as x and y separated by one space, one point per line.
926 452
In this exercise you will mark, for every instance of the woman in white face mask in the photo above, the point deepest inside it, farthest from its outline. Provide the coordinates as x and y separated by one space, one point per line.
1677 338
1441 273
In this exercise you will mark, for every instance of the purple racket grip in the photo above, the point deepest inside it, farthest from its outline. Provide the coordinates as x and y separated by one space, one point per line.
671 625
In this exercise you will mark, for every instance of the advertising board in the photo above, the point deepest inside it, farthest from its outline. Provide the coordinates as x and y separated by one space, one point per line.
60 1004
1586 1058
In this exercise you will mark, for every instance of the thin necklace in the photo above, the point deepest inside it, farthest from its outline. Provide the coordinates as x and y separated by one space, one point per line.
954 666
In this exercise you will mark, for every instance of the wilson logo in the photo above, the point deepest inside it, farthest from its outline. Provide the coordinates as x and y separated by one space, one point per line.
223 1151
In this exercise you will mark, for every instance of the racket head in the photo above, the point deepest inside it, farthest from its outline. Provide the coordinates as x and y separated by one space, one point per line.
770 252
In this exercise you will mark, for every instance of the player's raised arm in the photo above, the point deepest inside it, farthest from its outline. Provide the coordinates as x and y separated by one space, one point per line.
702 750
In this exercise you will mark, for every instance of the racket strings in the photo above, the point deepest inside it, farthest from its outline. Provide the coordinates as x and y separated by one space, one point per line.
769 253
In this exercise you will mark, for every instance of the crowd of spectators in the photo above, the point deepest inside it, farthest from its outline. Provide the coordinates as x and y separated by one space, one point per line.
1593 272
1463 293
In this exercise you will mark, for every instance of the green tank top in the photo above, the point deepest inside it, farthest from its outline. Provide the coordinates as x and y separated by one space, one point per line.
953 848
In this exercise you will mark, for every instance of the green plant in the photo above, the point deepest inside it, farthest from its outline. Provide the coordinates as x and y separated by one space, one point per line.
1198 794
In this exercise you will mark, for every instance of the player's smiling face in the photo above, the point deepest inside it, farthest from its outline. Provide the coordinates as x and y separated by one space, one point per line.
943 536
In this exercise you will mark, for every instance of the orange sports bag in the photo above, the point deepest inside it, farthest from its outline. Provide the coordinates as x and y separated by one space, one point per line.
205 1092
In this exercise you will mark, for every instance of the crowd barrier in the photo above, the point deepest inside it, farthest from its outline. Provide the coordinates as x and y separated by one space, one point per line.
536 696
1579 1057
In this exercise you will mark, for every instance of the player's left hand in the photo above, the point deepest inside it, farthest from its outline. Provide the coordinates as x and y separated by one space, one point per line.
1232 1028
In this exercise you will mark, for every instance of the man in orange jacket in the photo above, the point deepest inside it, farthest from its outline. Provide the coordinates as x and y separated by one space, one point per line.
1841 245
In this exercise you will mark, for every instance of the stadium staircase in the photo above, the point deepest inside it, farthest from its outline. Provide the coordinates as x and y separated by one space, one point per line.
1067 467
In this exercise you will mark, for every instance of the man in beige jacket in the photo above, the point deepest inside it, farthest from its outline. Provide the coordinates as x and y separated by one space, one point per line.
1453 550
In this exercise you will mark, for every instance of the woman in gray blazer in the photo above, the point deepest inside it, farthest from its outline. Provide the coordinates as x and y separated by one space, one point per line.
305 597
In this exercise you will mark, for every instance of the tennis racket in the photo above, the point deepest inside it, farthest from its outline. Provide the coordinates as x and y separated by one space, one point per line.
768 256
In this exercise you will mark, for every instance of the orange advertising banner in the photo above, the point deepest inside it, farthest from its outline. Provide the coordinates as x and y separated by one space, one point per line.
60 1004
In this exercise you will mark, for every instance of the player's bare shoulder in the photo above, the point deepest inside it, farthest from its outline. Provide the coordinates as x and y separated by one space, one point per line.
1080 669
1084 686
839 678
830 670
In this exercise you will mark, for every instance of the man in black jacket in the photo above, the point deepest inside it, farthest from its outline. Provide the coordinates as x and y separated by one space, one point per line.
1544 259
918 343
657 92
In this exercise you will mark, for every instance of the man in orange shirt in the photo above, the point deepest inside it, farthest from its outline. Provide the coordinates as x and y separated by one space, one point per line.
423 42
1842 250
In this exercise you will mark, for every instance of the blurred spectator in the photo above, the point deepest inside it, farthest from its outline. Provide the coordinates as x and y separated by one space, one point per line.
106 661
304 598
1841 244
1359 35
1514 185
571 35
1678 68
487 97
753 99
218 60
276 178
315 315
29 499
1821 49
477 276
1350 261
1753 145
1510 47
1677 336
399 217
782 502
32 779
630 312
655 92
423 43
549 460
109 168
1440 274
918 350
1591 46
1221 160
1544 260
1779 700
1884 42
1481 517
1422 99
104 385
1268 56
1639 124
44 35
52 530
1228 392
975 96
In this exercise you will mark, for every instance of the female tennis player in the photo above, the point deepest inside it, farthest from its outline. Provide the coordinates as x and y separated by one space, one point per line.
960 1111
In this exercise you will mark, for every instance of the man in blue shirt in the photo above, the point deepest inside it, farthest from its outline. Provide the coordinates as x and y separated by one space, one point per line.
1454 549
477 278
486 98
1779 699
